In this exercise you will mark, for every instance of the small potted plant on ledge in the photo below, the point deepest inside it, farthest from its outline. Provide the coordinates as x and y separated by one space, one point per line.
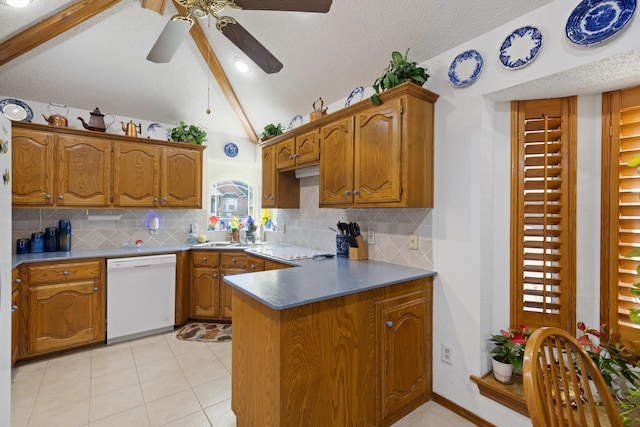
251 229
188 133
508 352
399 70
270 131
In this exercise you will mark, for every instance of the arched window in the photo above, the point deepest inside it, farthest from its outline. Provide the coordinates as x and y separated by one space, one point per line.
230 199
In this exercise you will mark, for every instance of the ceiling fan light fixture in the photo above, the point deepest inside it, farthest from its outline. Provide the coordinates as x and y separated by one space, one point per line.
197 11
241 65
17 3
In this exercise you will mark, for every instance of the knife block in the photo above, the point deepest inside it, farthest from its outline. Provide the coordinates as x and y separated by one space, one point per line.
361 252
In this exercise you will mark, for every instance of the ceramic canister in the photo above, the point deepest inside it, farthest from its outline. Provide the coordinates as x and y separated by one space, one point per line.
50 239
37 242
64 235
23 246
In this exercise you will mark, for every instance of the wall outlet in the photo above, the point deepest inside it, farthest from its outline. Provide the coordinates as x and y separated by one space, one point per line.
371 237
413 241
447 357
283 228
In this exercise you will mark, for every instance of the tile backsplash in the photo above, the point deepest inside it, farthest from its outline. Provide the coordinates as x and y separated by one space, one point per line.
309 227
105 234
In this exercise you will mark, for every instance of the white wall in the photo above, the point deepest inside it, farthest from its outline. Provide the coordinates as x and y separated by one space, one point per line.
5 280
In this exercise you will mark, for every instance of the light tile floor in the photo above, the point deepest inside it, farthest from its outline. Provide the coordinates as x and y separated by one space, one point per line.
153 381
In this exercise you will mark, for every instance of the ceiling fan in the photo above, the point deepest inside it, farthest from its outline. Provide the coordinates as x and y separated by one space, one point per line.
178 26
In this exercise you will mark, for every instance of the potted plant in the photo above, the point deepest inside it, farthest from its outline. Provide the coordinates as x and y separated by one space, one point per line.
399 70
270 131
251 229
508 352
233 224
188 133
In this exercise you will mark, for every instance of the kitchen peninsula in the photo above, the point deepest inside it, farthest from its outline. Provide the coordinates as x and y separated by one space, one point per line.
334 342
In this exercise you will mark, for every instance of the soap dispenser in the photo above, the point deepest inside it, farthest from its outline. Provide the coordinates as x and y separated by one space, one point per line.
192 239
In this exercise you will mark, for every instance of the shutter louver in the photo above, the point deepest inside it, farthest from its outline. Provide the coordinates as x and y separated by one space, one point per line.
541 222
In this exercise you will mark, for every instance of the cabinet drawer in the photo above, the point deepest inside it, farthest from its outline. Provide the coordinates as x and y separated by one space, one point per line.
46 273
255 264
205 259
233 260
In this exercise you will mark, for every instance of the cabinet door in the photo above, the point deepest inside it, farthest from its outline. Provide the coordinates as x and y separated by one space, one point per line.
307 148
336 163
15 326
226 292
378 154
269 176
402 334
285 154
136 175
32 164
84 172
64 315
204 293
181 178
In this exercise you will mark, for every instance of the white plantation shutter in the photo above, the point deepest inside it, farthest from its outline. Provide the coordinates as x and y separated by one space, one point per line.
543 218
620 211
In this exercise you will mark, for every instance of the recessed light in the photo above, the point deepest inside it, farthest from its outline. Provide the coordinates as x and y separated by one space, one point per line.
241 65
17 3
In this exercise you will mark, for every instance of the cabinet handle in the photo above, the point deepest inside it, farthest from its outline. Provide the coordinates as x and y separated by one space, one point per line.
356 192
18 281
253 266
65 273
48 196
14 308
389 323
215 276
295 156
164 199
204 259
271 198
155 200
95 289
290 157
346 193
61 197
233 260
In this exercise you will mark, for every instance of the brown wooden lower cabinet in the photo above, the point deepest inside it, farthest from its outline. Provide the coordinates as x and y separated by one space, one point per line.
66 305
358 360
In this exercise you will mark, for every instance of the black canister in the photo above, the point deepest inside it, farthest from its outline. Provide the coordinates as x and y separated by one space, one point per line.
64 235
37 242
23 246
50 239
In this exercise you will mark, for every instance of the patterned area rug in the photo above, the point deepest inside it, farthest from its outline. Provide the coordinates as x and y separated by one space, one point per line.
201 331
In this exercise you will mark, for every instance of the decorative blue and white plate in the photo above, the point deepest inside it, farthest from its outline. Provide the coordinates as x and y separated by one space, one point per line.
231 149
16 110
594 21
465 68
356 95
521 47
295 122
157 131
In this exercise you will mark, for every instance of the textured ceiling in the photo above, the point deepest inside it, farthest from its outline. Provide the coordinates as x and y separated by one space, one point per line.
101 63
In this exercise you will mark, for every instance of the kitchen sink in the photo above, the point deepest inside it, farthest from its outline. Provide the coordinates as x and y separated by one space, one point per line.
228 245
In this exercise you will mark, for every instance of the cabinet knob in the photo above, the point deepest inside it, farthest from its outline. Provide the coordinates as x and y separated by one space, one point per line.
65 273
155 200
95 289
47 196
14 308
290 157
18 281
164 199
215 276
271 198
233 260
61 197
389 323
346 193
356 192
253 266
295 156
204 259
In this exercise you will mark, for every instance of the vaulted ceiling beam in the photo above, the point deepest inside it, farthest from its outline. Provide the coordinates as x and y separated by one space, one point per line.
221 77
155 5
51 27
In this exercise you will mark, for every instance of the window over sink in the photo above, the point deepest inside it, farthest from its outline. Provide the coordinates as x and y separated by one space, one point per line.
231 199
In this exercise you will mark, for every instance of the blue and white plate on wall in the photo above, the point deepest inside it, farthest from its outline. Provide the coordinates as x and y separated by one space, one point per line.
295 122
594 21
16 110
521 47
157 131
356 95
231 149
465 68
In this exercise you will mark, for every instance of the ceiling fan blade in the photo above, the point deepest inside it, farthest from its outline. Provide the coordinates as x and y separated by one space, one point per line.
319 6
251 47
170 38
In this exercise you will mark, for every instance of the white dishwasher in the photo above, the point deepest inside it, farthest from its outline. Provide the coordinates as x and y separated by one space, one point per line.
141 294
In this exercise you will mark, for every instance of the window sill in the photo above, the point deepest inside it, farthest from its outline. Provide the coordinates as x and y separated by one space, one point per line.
509 395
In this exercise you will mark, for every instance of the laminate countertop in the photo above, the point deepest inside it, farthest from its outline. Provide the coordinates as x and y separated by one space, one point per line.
320 279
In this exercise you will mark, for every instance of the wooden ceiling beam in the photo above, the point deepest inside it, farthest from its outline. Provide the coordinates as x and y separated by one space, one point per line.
155 5
51 27
221 77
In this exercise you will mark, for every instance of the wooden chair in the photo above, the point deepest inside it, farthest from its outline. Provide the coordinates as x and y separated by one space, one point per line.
555 374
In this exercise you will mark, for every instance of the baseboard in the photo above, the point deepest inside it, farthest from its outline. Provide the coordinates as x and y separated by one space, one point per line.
459 410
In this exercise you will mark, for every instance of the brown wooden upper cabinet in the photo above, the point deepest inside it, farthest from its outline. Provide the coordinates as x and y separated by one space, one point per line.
301 151
279 189
61 167
370 156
